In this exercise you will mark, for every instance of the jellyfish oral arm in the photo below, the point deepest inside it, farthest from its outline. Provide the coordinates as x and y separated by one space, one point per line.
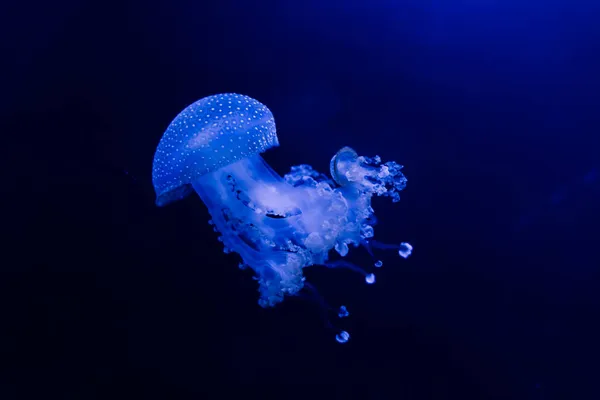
279 225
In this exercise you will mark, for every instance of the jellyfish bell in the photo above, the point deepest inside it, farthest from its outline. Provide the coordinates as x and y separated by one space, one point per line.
278 225
211 133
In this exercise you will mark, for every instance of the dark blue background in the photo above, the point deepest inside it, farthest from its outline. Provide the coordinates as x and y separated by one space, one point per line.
491 106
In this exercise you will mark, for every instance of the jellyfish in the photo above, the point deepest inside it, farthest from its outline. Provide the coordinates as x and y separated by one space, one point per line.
278 225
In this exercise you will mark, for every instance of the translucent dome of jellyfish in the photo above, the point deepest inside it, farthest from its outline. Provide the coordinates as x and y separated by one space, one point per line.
278 225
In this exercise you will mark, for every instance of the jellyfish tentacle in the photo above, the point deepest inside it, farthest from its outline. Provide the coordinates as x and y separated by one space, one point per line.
369 277
312 294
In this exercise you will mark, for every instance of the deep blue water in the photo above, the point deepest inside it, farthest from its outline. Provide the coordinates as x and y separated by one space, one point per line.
492 107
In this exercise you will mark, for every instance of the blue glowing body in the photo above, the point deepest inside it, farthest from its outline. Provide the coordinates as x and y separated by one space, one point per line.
278 225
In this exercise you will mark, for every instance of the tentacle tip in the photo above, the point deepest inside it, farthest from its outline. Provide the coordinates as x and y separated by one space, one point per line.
370 279
342 337
405 250
343 312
